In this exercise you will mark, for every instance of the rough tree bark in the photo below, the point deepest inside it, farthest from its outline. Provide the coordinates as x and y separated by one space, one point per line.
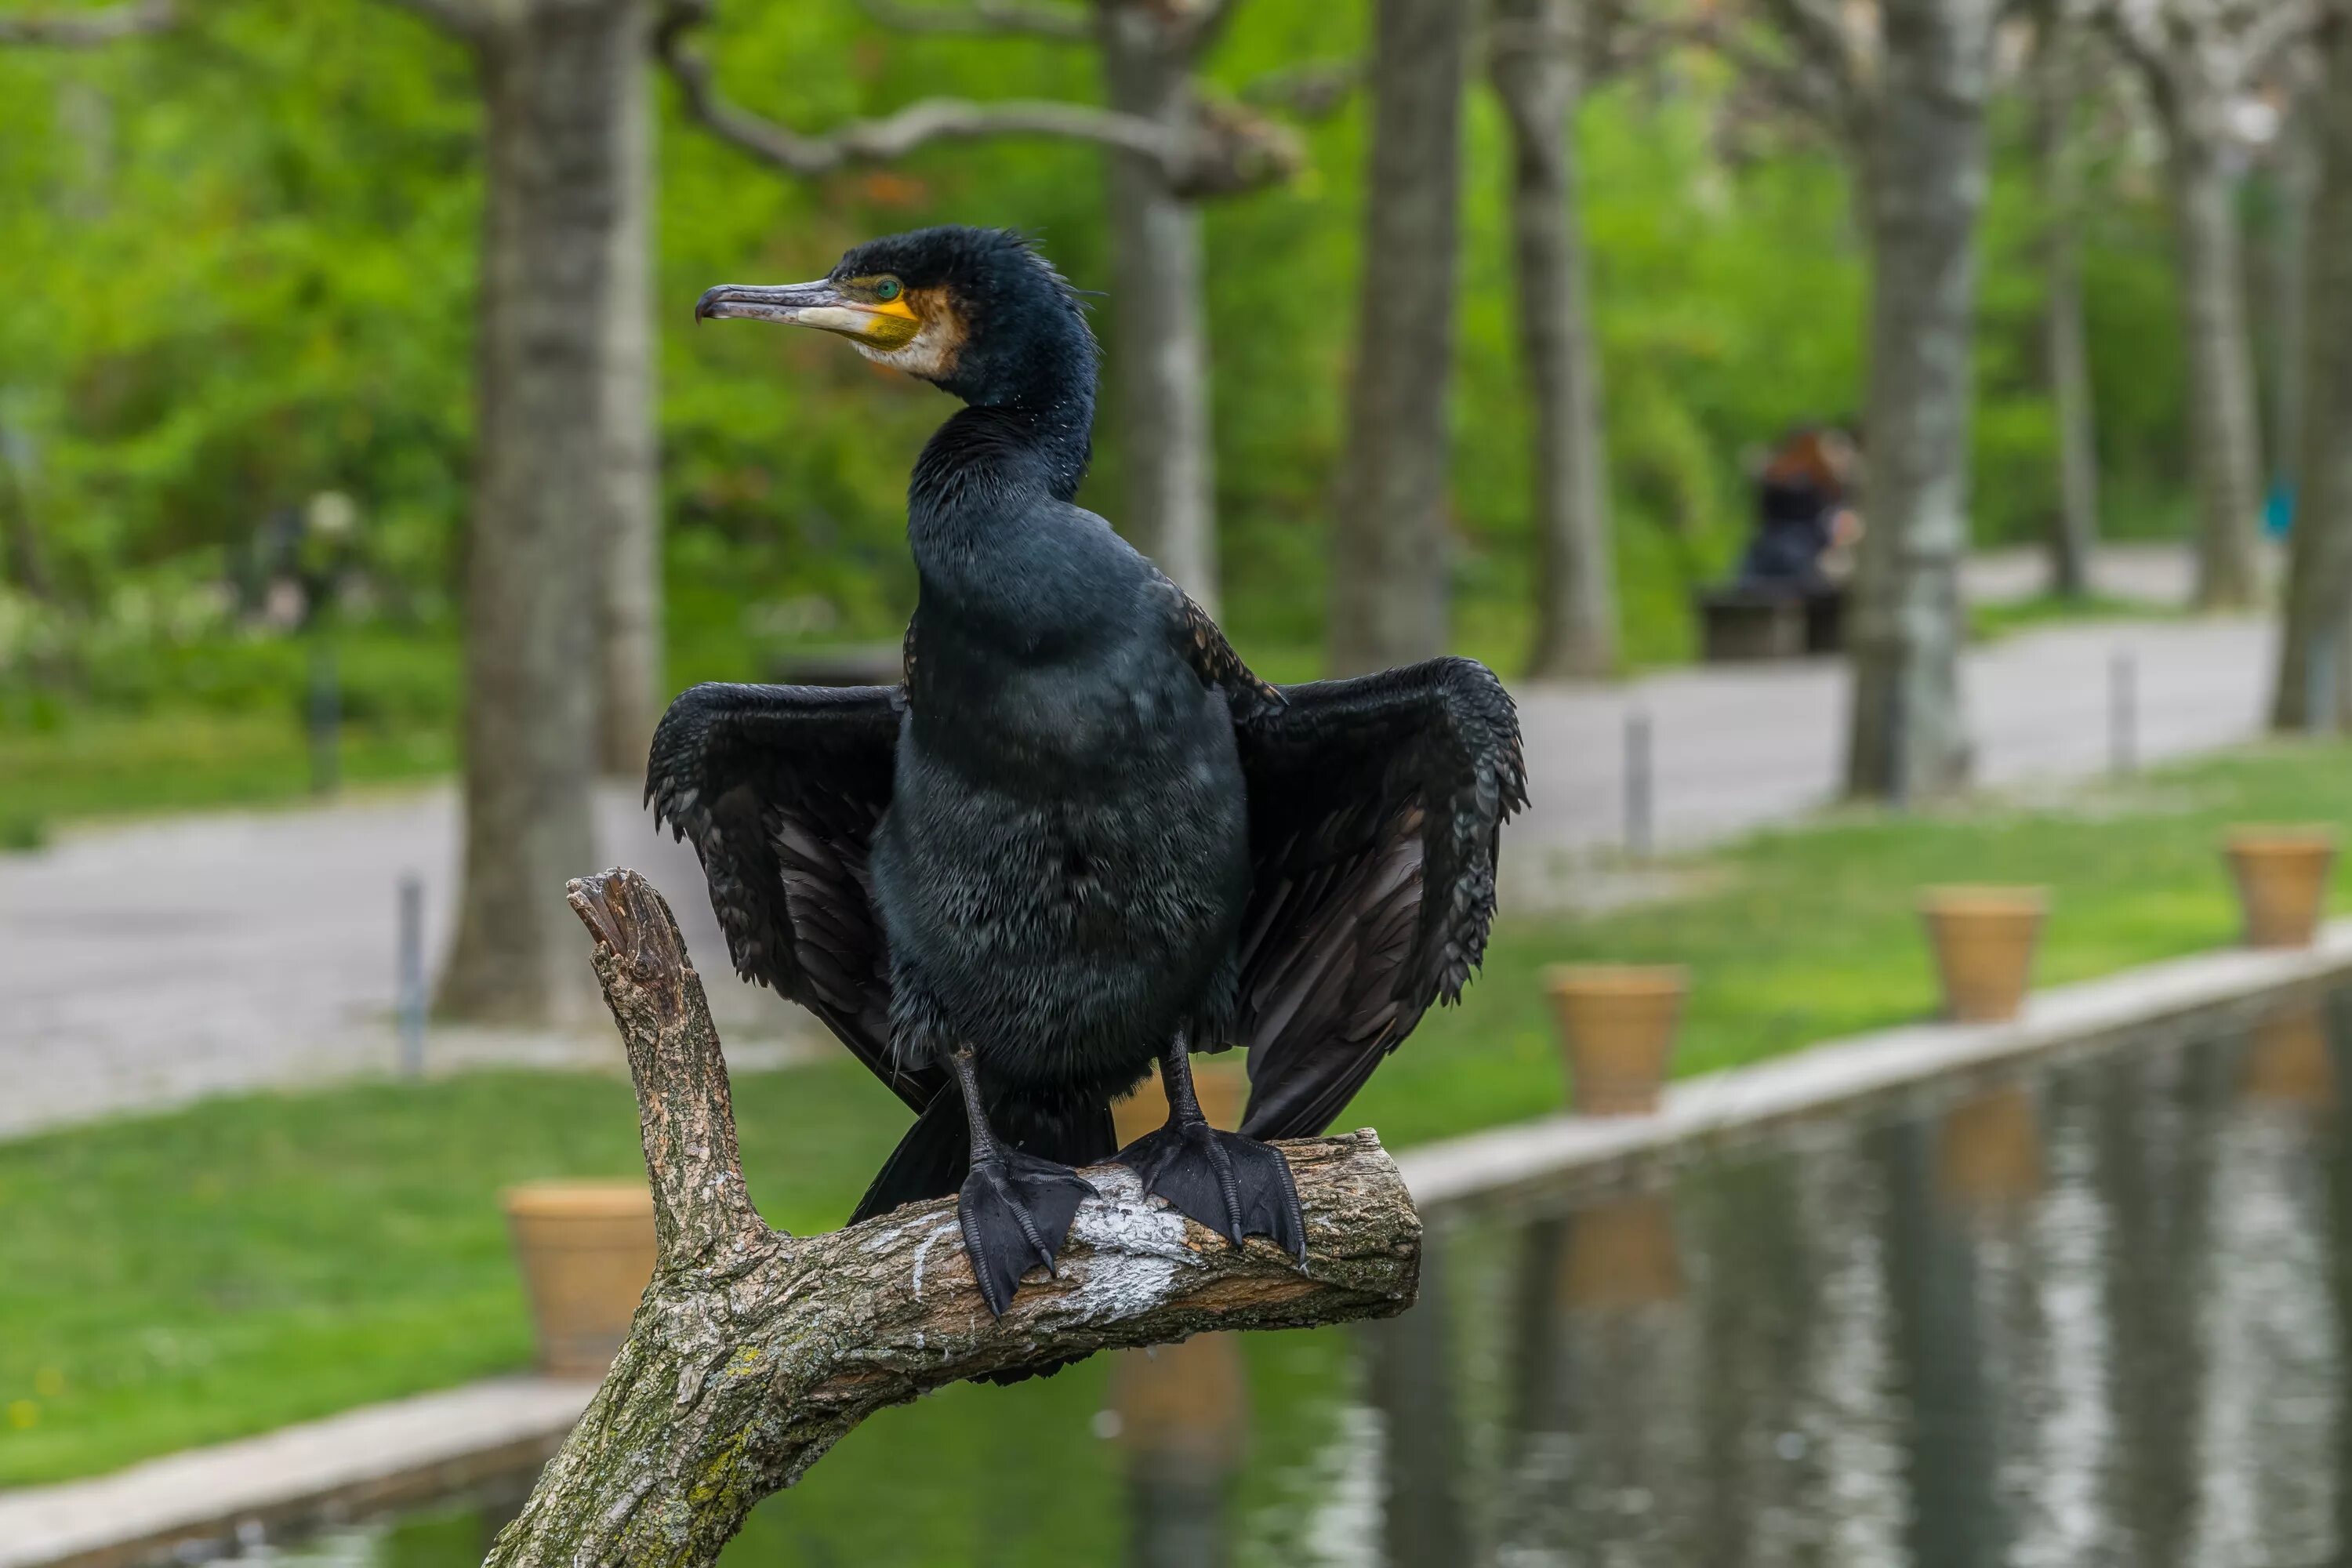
1389 588
2294 181
2224 434
753 1352
2057 80
2197 59
629 614
1924 178
1160 377
556 78
1537 76
2315 677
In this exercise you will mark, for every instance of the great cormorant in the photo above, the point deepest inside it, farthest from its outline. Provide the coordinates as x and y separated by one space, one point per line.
1080 836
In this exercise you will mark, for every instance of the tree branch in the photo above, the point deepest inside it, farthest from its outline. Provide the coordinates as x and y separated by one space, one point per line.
753 1352
1821 95
2270 33
896 135
983 17
1314 89
89 29
686 1117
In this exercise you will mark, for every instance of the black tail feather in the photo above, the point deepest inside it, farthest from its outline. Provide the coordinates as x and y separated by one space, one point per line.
933 1160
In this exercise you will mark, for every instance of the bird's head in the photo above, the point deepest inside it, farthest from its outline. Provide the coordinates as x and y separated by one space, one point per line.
976 311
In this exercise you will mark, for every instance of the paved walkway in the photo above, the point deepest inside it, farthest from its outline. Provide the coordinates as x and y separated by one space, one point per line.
148 966
1735 747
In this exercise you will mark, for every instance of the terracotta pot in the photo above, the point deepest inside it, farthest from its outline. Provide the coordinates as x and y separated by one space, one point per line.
1617 1024
587 1252
1188 1401
1620 1254
2282 877
1221 1084
1989 1150
2287 1061
1984 939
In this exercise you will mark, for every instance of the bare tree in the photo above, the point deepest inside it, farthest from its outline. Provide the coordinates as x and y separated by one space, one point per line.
2199 61
1903 85
2058 69
561 552
1167 148
90 28
1539 62
2313 689
1389 594
754 1351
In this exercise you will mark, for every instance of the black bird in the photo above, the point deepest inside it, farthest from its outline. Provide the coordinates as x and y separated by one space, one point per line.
1080 836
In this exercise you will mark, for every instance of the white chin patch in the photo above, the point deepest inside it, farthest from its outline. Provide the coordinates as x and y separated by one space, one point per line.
925 355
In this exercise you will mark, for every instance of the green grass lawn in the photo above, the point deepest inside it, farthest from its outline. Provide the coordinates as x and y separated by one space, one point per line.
97 765
193 1277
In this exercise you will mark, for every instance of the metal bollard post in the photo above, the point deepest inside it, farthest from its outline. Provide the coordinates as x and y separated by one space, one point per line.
408 1002
2123 713
1638 784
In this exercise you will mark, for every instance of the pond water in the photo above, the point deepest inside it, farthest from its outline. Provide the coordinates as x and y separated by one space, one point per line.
2097 1315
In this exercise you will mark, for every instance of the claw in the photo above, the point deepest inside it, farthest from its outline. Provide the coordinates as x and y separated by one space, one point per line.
1015 1208
1235 1185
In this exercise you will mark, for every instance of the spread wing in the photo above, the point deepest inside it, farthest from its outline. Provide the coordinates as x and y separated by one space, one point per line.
780 788
1376 806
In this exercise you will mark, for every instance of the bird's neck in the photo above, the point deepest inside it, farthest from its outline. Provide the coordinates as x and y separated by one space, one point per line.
992 456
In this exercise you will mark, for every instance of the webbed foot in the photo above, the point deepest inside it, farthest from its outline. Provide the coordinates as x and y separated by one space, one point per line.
1015 1210
1236 1187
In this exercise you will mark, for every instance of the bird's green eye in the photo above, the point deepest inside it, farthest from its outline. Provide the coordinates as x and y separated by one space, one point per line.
887 290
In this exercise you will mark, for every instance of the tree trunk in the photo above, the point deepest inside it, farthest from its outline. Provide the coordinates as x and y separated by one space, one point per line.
1536 77
629 627
1389 551
1924 175
2075 533
1160 373
555 76
2295 181
753 1352
2224 439
2315 676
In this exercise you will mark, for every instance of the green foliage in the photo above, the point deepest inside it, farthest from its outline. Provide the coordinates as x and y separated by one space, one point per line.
238 265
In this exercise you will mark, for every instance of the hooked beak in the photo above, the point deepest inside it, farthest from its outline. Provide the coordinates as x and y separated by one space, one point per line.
817 304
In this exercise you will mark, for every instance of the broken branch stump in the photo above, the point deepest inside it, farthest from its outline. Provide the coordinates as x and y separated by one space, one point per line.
753 1351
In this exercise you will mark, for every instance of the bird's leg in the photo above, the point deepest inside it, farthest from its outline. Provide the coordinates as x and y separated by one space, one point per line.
1236 1187
1015 1208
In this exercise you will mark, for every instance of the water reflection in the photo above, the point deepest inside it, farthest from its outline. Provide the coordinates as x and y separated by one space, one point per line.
1182 1417
2096 1318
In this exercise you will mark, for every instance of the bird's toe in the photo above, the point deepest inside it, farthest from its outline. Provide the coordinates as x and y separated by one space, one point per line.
1015 1212
1235 1185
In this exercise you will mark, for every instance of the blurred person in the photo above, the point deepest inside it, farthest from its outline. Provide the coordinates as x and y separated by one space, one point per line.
1806 527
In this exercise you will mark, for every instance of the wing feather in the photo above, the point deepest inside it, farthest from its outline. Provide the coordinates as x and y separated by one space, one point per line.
780 789
1376 811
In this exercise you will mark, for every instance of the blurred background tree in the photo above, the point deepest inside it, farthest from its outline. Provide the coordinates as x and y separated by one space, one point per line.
243 261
